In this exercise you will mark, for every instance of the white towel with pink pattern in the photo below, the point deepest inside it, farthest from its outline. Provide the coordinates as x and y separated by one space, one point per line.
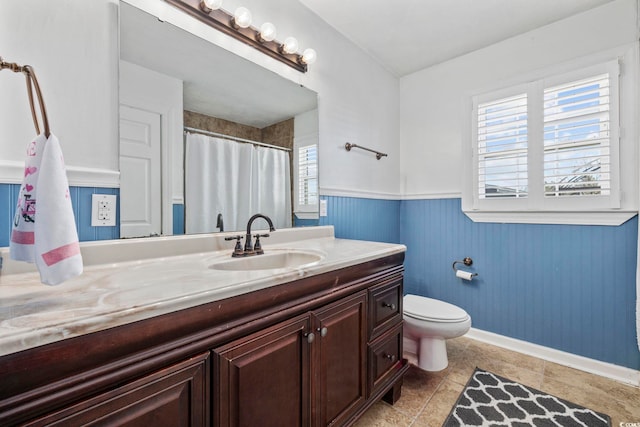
44 228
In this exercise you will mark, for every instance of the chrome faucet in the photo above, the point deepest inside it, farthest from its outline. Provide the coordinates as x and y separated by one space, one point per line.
249 249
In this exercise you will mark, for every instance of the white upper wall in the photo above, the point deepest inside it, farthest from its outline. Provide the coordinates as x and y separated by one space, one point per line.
432 100
73 47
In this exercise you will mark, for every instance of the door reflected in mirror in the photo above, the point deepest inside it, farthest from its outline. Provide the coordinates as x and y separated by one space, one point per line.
170 80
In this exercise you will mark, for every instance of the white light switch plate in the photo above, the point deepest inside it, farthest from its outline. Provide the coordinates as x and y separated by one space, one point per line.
323 207
103 210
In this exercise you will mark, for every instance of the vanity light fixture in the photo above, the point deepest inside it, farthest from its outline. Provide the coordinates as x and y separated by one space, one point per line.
309 56
290 45
268 32
242 18
209 5
238 26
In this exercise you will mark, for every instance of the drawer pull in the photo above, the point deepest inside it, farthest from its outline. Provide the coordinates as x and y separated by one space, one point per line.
323 331
390 306
391 357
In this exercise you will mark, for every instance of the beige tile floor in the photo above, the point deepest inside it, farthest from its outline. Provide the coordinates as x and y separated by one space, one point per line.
427 397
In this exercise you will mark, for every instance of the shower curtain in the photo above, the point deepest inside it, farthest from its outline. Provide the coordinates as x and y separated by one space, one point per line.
236 180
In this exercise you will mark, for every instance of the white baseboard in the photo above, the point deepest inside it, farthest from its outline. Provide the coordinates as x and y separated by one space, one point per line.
608 370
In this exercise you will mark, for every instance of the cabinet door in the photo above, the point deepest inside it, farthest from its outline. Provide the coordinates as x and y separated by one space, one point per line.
264 379
340 359
175 396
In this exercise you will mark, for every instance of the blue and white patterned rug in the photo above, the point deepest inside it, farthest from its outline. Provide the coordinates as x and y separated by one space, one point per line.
491 400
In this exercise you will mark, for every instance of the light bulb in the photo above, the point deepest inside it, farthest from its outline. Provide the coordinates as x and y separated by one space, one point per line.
242 17
209 5
309 56
290 45
268 32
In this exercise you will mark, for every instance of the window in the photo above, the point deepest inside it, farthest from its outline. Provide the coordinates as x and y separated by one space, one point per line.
306 181
548 145
502 148
577 158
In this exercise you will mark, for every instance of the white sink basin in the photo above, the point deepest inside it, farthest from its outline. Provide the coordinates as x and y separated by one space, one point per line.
270 260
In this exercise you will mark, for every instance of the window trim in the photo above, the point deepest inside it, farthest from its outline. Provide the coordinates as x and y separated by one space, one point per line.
561 211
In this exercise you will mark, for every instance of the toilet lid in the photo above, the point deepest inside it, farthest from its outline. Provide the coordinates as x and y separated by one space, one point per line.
431 309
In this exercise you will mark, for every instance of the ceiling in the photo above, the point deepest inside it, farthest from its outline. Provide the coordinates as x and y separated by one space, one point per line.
405 36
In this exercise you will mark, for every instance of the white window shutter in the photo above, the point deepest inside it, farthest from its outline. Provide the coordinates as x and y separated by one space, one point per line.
502 143
549 145
307 178
577 138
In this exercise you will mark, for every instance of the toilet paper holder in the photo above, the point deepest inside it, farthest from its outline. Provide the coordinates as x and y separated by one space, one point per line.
466 261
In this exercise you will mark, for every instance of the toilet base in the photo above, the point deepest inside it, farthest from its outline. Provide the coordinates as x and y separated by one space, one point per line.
432 354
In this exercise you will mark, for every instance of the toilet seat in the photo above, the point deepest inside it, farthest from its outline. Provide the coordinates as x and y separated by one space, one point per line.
423 308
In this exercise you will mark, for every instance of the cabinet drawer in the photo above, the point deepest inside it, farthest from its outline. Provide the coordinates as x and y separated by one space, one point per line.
176 395
385 302
385 357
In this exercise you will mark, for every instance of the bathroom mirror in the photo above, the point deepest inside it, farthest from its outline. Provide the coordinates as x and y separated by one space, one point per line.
215 83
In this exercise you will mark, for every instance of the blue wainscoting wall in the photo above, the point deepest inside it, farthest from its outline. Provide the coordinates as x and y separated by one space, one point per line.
363 219
297 222
178 219
81 201
567 287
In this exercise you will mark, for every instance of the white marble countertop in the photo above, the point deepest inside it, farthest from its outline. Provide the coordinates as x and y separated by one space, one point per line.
168 274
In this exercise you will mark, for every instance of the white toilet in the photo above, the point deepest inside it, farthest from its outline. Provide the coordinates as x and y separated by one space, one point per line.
427 324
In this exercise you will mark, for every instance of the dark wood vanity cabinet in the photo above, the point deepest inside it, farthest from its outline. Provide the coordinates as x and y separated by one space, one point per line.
310 370
317 351
174 396
340 366
265 379
385 336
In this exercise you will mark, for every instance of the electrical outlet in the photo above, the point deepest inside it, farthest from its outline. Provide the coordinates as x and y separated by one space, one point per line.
103 210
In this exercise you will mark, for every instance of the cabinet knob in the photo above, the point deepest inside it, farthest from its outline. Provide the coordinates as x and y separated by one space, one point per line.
391 357
390 306
323 331
310 337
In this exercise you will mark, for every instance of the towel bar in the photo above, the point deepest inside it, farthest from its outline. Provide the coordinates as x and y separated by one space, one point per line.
348 146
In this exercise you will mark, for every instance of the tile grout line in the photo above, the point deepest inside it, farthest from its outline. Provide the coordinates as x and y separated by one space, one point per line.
459 364
440 384
422 409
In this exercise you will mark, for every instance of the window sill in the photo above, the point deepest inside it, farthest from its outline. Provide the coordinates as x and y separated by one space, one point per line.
612 218
306 215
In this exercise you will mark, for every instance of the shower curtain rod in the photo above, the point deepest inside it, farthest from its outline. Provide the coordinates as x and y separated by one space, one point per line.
233 138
